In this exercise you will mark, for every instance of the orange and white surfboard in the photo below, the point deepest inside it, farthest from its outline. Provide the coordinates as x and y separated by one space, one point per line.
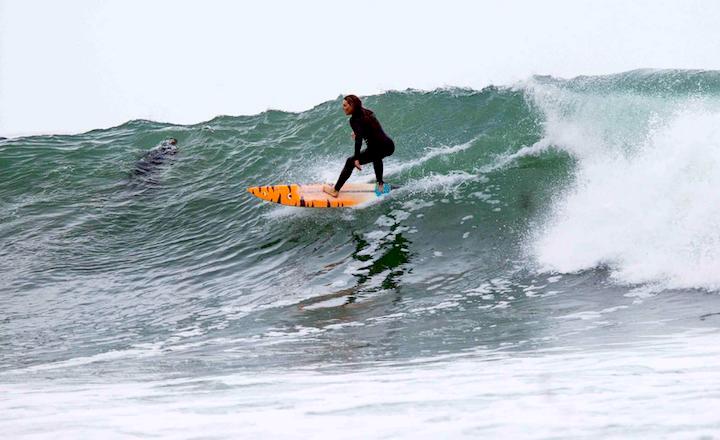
312 196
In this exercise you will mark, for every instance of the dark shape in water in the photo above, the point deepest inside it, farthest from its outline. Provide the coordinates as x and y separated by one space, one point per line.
155 157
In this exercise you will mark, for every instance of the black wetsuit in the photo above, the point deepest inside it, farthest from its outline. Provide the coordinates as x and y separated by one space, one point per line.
379 145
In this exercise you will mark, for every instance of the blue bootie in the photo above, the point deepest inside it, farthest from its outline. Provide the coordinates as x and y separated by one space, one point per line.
385 189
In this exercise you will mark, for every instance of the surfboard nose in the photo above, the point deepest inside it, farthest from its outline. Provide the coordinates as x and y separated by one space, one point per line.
283 194
260 192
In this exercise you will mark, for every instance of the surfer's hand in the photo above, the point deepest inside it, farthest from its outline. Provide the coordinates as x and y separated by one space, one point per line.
357 165
353 135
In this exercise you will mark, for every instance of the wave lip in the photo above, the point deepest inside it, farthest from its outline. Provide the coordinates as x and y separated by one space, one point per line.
644 201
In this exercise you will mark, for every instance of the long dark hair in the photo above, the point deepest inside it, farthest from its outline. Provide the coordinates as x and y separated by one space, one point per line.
367 116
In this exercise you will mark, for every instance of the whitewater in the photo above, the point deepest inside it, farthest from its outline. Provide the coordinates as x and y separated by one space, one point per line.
549 268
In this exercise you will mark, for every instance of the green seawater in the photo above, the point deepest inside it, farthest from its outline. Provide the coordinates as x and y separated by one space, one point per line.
179 274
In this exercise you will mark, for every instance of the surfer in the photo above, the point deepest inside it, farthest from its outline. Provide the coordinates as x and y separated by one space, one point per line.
379 145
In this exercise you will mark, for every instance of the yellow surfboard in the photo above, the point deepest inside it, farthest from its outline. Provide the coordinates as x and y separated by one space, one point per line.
312 196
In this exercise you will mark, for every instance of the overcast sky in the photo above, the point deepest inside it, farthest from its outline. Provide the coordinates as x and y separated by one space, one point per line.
74 65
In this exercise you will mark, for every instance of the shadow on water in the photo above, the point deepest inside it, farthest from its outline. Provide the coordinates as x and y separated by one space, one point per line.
392 261
389 262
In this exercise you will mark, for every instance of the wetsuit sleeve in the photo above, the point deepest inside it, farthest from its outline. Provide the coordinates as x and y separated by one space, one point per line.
357 129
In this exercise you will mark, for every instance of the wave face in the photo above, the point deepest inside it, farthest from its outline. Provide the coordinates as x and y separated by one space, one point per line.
535 217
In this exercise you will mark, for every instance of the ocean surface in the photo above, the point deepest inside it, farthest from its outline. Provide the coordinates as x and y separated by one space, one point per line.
549 268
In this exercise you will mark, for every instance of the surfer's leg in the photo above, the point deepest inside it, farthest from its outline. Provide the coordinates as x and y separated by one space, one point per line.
345 173
388 150
365 157
378 166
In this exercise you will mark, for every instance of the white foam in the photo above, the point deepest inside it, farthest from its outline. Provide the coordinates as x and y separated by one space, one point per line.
646 201
490 393
443 183
139 350
327 170
429 154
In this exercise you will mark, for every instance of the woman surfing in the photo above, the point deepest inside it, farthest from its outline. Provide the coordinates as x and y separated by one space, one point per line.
364 125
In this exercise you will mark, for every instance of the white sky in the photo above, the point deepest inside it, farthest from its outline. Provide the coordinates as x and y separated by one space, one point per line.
74 65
